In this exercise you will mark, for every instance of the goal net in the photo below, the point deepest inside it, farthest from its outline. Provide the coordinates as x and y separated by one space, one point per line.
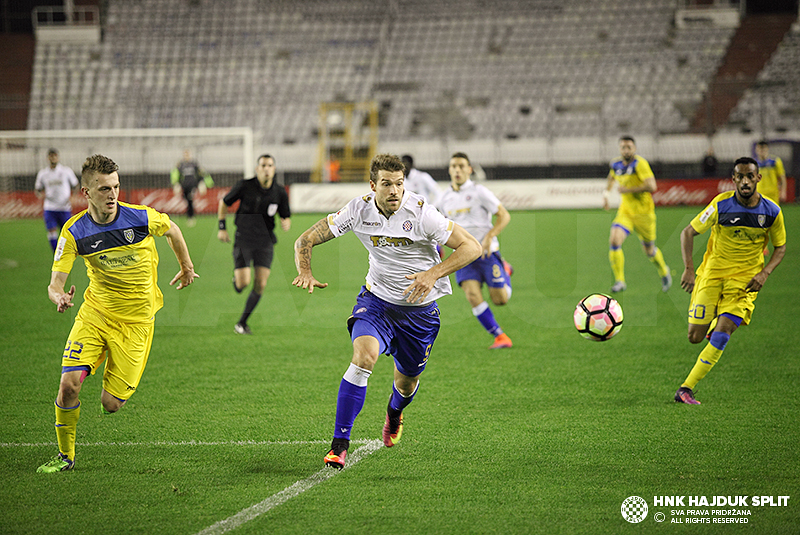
145 158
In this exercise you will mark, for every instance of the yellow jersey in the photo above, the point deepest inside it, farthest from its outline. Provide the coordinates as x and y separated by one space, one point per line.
121 261
632 175
739 235
770 170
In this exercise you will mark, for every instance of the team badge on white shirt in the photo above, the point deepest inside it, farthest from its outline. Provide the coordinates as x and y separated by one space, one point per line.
401 245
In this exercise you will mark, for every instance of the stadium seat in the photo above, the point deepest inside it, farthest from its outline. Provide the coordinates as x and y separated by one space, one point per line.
169 63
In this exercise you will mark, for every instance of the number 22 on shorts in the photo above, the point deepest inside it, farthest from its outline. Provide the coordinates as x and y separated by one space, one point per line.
73 350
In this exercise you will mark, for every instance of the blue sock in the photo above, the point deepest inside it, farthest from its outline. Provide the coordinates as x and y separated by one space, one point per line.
352 393
485 316
719 339
398 402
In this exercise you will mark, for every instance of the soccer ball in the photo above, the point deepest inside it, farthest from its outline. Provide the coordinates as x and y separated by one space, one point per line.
598 317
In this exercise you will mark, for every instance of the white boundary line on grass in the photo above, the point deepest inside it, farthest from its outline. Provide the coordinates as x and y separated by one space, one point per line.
245 515
181 443
254 511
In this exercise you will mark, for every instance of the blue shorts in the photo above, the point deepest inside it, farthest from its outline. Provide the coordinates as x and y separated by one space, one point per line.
489 271
56 219
406 333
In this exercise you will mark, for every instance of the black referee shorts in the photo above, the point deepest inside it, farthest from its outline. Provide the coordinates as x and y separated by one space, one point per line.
258 256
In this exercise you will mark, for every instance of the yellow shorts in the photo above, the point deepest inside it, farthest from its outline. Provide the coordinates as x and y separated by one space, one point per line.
712 297
644 225
128 346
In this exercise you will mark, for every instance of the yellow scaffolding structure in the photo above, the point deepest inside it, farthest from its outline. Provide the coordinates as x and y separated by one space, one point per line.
348 139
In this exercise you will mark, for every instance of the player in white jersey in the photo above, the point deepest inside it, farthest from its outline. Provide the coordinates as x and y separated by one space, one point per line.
419 181
395 312
479 211
55 184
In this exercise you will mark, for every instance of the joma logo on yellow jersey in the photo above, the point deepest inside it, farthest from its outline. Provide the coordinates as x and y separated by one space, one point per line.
385 241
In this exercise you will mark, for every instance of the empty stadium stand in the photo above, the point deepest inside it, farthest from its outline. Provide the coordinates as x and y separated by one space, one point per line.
468 69
465 70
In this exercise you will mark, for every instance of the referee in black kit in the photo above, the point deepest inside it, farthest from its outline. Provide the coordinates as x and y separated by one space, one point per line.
260 199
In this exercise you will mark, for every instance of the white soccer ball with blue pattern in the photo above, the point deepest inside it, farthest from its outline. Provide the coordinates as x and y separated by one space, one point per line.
598 317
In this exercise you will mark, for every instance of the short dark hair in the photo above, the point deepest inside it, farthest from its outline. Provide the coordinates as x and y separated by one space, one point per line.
461 155
628 138
52 151
385 162
408 161
266 156
745 160
762 142
97 164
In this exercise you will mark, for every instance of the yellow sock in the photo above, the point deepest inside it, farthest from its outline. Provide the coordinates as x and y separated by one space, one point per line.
712 325
617 259
66 426
708 357
658 260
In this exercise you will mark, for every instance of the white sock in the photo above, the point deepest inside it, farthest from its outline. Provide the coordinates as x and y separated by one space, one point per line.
357 376
478 310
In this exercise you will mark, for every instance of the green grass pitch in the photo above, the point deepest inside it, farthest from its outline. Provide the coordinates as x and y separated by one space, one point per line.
548 437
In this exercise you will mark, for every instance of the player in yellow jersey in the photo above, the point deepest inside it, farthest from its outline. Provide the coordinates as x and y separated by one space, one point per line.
773 175
115 322
636 213
727 282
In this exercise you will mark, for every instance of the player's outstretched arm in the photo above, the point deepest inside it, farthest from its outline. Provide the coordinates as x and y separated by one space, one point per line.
55 291
319 233
687 253
649 185
500 221
607 192
465 250
222 213
760 278
186 275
